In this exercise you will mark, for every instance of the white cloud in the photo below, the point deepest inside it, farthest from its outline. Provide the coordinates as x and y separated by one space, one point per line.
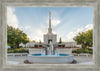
54 22
37 34
27 27
71 35
12 18
54 32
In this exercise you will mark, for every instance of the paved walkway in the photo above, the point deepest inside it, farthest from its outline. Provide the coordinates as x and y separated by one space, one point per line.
79 59
82 59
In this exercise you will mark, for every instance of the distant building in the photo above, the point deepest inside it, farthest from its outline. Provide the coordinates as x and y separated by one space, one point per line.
71 44
30 44
8 47
90 47
22 45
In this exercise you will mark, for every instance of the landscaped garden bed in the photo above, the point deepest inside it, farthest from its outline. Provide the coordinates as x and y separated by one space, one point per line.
18 50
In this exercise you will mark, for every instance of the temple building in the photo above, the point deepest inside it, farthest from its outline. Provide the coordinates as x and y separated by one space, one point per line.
50 36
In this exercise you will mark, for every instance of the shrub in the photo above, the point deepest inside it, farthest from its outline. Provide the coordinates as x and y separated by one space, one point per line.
40 45
20 47
87 51
91 51
81 50
35 46
74 51
78 51
75 47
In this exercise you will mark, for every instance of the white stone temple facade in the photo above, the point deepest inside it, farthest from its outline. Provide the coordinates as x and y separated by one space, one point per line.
50 36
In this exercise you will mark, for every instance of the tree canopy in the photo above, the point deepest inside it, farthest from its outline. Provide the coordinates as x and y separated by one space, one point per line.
85 38
15 37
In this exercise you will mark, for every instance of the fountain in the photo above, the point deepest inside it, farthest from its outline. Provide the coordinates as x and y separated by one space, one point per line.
52 56
49 55
50 49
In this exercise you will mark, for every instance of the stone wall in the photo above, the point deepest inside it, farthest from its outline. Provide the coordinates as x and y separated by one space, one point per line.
64 50
34 51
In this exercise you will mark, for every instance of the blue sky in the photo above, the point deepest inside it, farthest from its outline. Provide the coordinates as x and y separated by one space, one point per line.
66 22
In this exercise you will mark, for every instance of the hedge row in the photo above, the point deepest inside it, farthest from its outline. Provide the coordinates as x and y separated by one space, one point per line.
17 51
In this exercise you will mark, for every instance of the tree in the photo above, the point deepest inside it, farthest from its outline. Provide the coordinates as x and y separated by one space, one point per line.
40 42
15 37
60 40
34 41
85 38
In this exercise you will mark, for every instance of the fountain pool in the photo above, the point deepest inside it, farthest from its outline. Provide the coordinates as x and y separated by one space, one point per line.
52 56
61 58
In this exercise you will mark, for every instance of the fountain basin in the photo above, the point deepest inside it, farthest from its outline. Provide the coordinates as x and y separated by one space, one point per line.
61 58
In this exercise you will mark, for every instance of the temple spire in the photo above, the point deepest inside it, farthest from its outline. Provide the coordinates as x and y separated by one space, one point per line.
49 19
49 29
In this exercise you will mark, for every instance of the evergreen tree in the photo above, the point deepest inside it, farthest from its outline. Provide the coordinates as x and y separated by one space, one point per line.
60 40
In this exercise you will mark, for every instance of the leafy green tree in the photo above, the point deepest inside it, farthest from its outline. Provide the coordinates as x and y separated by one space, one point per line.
85 38
60 40
15 37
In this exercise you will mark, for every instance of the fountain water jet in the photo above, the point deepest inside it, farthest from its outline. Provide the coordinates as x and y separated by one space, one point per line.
50 50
